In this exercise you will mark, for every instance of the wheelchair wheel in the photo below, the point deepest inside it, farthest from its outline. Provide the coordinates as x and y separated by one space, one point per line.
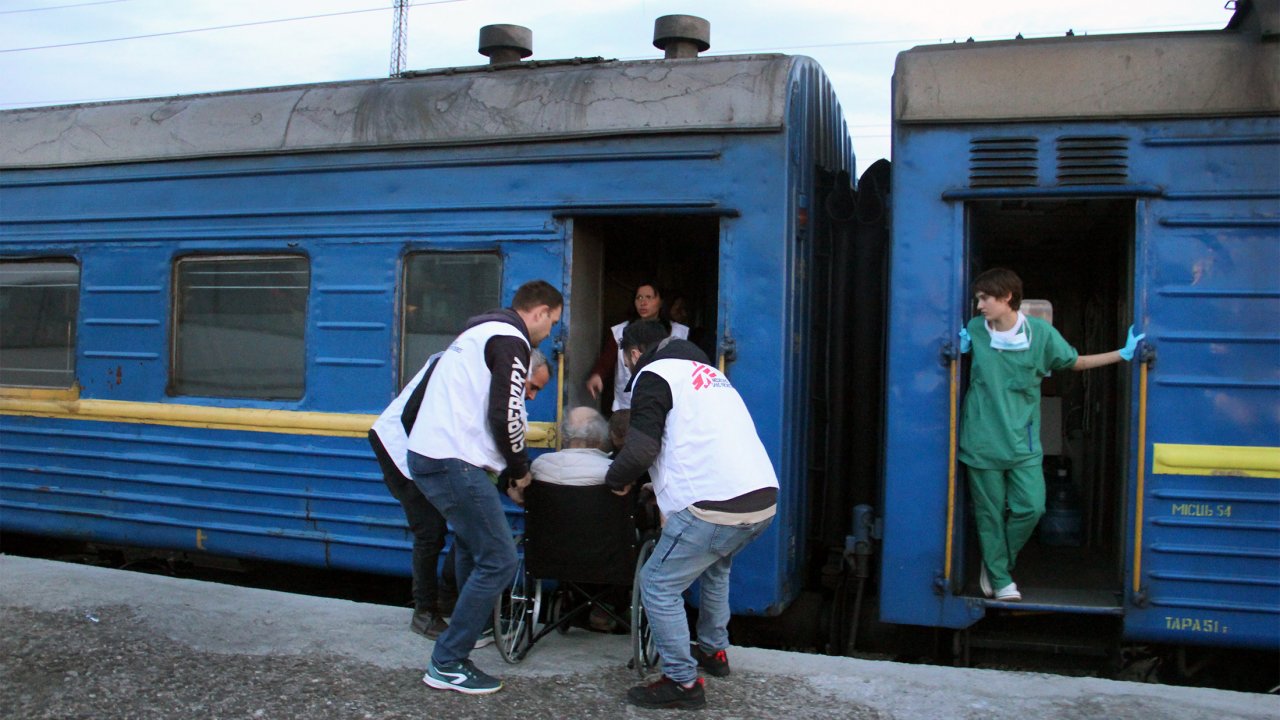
561 605
515 614
644 650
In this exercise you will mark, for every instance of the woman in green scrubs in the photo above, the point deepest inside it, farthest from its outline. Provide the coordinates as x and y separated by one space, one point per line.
1000 426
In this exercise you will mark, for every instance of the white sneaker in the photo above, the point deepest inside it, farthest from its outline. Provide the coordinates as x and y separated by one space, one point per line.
1009 593
485 639
984 580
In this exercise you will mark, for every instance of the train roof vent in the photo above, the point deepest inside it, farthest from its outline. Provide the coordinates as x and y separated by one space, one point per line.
1093 160
1002 162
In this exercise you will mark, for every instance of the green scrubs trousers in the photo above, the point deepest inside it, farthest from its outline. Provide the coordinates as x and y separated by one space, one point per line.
1002 533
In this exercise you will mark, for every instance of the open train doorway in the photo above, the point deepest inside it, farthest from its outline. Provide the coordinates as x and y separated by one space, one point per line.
1075 258
611 256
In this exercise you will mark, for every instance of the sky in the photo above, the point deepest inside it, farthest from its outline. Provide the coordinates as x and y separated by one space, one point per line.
55 52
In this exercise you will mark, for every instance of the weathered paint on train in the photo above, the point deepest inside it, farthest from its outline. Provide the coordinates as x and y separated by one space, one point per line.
353 176
1176 137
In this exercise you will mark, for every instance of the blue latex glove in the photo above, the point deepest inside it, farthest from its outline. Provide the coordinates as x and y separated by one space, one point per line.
1131 345
966 343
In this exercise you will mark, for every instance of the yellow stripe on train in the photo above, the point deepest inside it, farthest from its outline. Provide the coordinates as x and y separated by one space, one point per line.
67 405
1238 460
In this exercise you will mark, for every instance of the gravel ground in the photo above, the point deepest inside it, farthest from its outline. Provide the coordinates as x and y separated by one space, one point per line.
85 642
66 665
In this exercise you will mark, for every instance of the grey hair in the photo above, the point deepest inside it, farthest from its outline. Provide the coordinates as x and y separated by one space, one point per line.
584 424
536 360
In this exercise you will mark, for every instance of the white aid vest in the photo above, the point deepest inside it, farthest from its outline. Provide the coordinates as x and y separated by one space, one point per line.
390 428
710 448
453 420
621 375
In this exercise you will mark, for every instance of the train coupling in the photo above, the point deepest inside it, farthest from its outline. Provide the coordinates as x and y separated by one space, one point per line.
857 547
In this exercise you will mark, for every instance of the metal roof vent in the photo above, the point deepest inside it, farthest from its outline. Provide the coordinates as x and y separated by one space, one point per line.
505 43
681 36
1097 160
1003 162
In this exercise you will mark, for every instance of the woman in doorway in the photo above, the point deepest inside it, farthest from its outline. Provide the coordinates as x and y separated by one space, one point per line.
1000 426
647 305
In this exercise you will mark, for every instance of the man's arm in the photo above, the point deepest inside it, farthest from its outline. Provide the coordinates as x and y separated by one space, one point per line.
650 403
508 360
1088 362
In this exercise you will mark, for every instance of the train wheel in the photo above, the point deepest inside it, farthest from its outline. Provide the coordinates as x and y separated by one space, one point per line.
644 650
515 614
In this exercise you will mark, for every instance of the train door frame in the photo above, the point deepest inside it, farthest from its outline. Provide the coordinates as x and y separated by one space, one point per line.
1097 582
600 291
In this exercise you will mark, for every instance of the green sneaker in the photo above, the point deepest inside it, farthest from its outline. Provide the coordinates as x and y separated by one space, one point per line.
461 676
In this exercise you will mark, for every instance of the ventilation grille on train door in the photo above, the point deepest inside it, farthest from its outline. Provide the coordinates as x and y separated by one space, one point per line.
1093 161
1002 162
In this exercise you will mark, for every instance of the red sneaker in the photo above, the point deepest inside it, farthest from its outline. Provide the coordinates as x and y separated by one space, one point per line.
716 663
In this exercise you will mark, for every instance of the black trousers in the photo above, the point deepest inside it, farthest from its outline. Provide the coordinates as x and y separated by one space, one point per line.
425 522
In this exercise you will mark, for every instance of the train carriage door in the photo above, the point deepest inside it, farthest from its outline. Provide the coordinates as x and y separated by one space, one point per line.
610 256
1075 258
1204 528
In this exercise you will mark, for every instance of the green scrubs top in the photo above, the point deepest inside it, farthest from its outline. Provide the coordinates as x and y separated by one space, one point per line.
1000 426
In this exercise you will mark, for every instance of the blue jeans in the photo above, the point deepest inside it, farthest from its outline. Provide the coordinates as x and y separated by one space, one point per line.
691 549
464 494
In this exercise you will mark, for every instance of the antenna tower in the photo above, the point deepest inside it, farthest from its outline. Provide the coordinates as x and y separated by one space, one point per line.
399 37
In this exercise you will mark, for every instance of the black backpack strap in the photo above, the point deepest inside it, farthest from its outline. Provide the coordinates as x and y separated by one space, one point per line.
410 413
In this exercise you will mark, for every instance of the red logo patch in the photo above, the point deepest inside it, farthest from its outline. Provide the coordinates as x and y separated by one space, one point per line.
703 376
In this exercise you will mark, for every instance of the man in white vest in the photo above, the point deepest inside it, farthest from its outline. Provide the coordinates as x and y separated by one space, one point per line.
470 428
389 438
716 489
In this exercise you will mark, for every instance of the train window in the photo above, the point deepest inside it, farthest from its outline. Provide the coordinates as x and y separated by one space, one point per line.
442 290
238 326
38 303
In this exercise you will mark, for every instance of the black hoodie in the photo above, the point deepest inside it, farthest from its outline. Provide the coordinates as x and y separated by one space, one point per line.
650 403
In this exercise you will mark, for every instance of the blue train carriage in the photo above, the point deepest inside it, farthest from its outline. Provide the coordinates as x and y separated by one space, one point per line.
206 299
1128 178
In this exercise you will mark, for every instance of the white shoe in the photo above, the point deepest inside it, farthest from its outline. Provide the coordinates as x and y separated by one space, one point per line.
485 639
984 580
1009 593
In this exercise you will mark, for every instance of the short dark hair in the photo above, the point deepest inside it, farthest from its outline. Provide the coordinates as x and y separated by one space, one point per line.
643 335
536 293
618 424
998 282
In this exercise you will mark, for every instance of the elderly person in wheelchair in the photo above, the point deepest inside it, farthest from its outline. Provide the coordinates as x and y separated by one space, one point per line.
582 540
584 435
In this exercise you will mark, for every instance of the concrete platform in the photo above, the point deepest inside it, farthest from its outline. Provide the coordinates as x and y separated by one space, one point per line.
80 641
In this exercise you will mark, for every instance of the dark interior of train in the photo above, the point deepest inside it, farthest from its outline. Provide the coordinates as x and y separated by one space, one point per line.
611 256
1075 258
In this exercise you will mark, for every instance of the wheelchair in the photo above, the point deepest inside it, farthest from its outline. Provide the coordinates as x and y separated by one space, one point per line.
589 543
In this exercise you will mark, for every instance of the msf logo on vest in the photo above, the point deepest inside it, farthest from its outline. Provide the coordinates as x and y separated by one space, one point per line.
515 406
704 377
